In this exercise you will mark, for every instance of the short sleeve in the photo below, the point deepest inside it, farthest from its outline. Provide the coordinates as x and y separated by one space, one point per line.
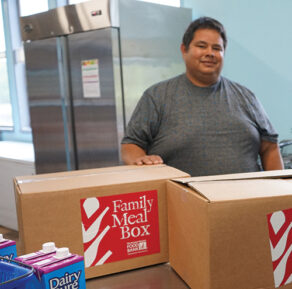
144 123
265 127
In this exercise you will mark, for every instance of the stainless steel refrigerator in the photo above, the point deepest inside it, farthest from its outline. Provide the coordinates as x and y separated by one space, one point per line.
87 65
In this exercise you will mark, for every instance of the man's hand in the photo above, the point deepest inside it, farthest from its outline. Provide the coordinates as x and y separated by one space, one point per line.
134 155
148 160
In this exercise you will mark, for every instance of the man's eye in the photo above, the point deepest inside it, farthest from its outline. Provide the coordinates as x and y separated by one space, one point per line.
217 48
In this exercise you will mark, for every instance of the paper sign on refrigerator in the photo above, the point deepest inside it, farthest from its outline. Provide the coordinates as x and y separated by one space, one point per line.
120 227
90 78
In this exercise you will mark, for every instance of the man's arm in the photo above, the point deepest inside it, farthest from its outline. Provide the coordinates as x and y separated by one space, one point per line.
270 156
135 155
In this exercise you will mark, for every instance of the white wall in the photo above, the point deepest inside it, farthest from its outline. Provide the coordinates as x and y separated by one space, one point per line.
16 159
259 51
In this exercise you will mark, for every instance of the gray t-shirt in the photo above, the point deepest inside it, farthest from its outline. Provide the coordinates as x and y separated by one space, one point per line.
201 130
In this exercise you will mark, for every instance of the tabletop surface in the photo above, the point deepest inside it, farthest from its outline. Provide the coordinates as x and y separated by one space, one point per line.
160 276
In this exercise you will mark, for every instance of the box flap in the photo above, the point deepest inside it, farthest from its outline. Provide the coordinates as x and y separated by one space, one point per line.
242 189
277 174
95 177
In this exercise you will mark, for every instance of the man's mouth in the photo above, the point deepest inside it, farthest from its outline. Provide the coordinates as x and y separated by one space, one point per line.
208 62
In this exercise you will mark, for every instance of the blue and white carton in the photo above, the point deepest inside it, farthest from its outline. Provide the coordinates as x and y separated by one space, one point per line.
7 248
61 270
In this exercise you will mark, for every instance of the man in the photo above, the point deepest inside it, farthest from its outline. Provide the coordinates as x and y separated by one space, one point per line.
201 122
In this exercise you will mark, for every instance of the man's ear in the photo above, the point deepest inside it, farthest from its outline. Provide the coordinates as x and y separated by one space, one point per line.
183 49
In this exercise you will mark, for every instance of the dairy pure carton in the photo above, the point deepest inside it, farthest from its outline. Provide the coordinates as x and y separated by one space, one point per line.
232 231
47 250
7 248
61 270
115 217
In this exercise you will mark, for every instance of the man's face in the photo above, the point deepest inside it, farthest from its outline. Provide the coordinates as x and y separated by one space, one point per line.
204 57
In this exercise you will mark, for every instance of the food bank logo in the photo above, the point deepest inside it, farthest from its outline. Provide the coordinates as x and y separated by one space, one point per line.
119 227
134 247
280 224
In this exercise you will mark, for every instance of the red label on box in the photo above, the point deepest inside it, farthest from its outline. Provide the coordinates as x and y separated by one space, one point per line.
280 224
119 227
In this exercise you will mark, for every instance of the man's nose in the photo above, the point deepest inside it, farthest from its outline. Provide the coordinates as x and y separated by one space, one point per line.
210 51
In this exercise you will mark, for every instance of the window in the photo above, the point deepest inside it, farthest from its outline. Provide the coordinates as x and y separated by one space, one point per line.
165 2
76 1
5 103
175 3
287 150
14 112
29 7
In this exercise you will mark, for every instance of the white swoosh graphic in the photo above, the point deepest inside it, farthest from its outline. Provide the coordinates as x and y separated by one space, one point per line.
105 257
277 221
94 228
91 205
91 253
281 245
279 272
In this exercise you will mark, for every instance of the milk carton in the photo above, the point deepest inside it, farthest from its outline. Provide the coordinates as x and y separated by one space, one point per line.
7 248
61 270
48 249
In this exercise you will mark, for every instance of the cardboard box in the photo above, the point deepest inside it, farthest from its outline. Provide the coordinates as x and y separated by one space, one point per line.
221 228
115 216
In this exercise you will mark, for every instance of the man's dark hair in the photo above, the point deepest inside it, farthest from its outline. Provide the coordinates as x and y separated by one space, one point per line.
204 23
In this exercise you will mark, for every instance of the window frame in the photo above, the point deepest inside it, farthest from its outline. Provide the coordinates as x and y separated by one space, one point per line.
20 130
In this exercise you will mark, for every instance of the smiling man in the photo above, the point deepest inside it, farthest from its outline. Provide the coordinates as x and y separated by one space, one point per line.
203 57
201 122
